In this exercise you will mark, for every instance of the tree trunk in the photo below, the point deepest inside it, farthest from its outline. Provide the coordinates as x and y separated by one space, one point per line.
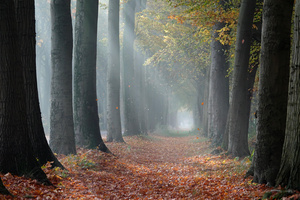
206 104
26 29
290 162
240 102
17 156
131 122
86 119
62 138
142 103
139 69
218 87
114 130
273 89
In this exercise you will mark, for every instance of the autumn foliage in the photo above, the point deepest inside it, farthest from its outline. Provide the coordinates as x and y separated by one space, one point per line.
152 167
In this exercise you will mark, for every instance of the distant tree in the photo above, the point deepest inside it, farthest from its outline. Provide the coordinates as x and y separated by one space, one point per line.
102 63
131 122
218 84
86 117
26 30
239 110
114 130
290 162
17 156
140 92
140 75
273 89
62 138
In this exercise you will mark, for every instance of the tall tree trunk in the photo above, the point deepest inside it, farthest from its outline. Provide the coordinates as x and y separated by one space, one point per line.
131 122
86 119
289 174
17 156
240 107
273 89
62 139
139 70
142 92
218 86
198 111
26 29
102 65
114 130
206 104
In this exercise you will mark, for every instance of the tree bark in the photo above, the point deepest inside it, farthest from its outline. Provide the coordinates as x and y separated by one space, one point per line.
290 163
131 122
17 156
273 89
140 73
26 29
218 86
86 119
240 107
206 104
62 139
114 130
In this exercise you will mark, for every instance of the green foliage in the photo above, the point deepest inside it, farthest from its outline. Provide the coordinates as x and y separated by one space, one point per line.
177 53
61 172
81 161
242 166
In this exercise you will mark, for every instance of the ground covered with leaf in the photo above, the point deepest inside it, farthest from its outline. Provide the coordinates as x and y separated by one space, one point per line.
145 167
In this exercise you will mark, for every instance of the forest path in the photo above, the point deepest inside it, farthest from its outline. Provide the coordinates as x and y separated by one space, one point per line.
180 168
145 167
156 149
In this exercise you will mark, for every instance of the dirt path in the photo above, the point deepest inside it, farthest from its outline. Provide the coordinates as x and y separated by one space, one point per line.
160 149
179 168
152 167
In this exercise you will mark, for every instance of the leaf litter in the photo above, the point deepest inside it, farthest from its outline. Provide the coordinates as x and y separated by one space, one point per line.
145 167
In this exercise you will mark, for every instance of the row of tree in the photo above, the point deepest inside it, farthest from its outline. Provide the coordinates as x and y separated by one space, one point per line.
73 117
177 53
260 32
276 157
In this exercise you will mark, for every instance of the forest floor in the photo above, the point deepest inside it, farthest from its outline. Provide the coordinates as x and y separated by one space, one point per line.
145 167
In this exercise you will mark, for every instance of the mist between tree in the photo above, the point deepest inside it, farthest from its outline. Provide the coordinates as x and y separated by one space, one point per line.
160 89
113 71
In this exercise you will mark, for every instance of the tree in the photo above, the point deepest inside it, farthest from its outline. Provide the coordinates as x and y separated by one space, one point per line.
140 73
289 169
205 104
218 84
240 104
17 156
86 119
102 64
26 30
131 122
114 130
62 139
273 89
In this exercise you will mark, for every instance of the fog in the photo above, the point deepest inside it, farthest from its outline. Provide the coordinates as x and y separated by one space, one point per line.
167 98
185 120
